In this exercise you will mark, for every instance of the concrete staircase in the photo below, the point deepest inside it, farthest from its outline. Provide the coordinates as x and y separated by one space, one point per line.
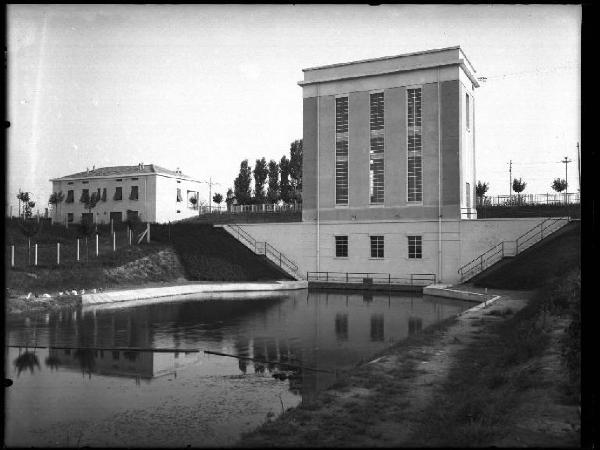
264 248
505 250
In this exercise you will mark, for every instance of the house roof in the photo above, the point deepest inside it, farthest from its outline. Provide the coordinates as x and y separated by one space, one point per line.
115 171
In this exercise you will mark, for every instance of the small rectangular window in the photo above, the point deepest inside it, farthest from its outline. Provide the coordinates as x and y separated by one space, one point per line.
85 182
119 179
70 217
377 247
179 198
135 179
134 193
70 183
415 247
70 196
341 246
118 193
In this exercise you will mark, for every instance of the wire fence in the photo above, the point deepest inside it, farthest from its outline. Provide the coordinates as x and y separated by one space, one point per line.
530 199
69 251
241 209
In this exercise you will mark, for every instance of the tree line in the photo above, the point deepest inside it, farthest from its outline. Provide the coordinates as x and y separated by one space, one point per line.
273 181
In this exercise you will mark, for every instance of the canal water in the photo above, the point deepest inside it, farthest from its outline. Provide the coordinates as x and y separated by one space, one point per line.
289 346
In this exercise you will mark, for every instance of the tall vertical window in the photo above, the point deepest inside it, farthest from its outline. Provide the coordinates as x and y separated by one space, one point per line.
415 168
376 246
468 191
341 151
341 246
376 165
467 111
415 247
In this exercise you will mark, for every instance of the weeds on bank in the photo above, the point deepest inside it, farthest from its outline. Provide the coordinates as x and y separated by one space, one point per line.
474 406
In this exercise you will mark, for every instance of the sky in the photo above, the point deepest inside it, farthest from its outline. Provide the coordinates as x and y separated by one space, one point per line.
201 87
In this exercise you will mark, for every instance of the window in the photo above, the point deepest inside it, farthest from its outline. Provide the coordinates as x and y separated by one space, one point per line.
468 191
116 216
119 179
467 109
115 355
70 217
103 194
118 193
415 169
376 246
341 151
134 193
192 199
376 165
415 247
135 179
70 196
132 215
87 218
85 196
179 198
70 183
85 182
341 246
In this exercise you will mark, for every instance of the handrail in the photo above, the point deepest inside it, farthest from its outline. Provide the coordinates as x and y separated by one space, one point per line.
264 248
469 269
376 277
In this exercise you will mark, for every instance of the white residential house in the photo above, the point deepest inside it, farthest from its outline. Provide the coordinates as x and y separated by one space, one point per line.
150 192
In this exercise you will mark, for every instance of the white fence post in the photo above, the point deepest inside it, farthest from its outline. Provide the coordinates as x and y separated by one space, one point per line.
58 253
35 256
129 233
96 244
114 242
77 249
148 234
12 256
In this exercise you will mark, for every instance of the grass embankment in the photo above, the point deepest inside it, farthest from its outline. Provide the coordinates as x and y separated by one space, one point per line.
211 254
501 382
541 210
189 252
538 264
514 380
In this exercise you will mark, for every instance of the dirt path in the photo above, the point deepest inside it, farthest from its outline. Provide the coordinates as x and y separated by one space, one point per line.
382 403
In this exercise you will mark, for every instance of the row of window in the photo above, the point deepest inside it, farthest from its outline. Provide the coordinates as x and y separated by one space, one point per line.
101 194
377 148
115 217
71 183
415 247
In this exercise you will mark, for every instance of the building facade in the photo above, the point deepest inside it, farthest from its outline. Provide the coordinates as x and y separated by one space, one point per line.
148 191
390 138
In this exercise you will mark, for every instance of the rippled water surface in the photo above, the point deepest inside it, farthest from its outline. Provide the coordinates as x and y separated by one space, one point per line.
289 347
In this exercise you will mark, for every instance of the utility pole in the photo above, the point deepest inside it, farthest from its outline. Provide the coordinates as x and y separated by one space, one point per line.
210 185
510 180
566 161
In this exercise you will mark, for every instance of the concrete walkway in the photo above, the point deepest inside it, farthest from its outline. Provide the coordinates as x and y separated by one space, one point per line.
179 291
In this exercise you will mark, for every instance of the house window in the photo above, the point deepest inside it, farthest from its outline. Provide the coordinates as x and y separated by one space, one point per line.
341 151
132 215
116 216
118 193
70 183
415 168
70 217
179 198
70 196
119 179
376 246
103 194
467 111
85 182
134 193
376 164
192 199
115 355
135 179
85 196
415 247
341 246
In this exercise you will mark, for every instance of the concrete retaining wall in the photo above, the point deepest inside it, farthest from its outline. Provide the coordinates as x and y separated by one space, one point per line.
188 290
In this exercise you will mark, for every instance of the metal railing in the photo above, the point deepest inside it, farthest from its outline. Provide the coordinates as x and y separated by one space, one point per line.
511 248
242 209
263 248
529 199
415 279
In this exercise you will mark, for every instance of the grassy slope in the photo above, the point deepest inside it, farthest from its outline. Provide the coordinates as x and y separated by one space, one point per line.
534 267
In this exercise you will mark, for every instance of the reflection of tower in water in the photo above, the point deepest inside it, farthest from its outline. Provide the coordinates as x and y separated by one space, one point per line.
377 327
341 326
415 325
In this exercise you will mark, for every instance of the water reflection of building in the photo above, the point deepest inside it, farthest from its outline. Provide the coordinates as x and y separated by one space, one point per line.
142 364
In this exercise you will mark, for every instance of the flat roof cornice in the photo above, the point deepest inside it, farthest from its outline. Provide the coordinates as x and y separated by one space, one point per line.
123 175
